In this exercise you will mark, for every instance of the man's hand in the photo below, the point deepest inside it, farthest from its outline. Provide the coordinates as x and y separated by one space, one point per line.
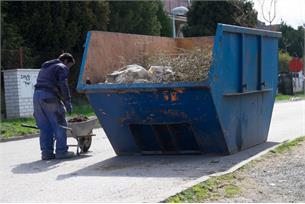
68 106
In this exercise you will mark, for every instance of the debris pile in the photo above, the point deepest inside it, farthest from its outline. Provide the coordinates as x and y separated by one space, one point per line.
129 74
192 65
159 74
79 118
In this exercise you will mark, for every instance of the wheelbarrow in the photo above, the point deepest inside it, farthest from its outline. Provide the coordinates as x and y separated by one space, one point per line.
80 131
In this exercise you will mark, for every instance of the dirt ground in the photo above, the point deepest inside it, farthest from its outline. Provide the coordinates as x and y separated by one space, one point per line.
273 178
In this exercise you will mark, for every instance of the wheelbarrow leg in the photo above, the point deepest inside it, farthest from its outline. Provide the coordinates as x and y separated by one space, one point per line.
77 148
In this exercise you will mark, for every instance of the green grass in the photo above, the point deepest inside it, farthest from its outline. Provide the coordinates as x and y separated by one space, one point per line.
281 97
286 146
13 127
231 191
211 189
83 109
226 186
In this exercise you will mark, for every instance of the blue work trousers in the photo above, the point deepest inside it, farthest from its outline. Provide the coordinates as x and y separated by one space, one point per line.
49 113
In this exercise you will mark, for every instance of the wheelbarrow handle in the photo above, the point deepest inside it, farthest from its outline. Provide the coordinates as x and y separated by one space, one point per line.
35 127
67 128
29 126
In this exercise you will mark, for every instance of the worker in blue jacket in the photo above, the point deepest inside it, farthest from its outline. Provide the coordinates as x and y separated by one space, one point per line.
51 100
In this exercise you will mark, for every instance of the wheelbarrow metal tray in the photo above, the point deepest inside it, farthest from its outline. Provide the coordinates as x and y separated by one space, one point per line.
228 112
83 128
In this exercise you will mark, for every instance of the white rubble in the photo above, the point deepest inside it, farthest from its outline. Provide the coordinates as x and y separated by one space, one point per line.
128 74
137 74
161 74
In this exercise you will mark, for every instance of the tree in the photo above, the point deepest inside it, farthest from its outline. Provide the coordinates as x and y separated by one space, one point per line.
203 16
48 28
292 40
137 17
10 36
284 59
56 26
11 41
165 21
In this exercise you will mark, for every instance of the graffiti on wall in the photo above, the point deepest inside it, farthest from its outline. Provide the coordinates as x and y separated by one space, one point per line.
27 82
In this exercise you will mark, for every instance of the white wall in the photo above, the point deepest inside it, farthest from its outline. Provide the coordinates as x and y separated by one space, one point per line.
19 90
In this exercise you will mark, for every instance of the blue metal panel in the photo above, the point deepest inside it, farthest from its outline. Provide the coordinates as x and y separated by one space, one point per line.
187 117
228 112
245 105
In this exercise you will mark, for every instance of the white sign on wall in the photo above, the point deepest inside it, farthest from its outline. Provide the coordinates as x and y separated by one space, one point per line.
27 82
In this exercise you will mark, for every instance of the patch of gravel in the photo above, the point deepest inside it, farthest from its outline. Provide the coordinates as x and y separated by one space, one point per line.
273 178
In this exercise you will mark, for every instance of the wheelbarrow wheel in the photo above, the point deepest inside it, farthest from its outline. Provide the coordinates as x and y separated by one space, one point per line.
85 143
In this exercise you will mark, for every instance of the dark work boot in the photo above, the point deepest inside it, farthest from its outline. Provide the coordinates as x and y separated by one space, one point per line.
65 155
48 157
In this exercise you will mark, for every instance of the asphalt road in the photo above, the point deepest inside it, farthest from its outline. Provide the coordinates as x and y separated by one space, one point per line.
101 176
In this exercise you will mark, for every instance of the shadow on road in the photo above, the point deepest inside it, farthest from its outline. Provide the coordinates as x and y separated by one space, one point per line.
41 165
188 166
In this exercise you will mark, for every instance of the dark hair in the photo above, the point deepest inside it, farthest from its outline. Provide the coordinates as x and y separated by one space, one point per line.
66 56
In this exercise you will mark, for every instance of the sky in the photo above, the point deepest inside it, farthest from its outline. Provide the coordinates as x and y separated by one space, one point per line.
290 11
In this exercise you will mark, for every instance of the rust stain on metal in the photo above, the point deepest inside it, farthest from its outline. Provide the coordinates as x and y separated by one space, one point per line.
109 92
125 91
179 90
165 95
174 96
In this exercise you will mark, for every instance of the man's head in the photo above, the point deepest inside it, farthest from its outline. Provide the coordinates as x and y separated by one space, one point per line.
67 59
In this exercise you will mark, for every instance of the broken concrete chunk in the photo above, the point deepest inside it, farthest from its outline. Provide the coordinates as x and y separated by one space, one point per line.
161 74
128 74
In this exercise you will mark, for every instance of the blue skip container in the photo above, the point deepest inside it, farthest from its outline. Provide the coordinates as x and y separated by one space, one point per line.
228 112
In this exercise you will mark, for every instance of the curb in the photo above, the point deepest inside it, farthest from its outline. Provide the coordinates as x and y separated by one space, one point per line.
16 138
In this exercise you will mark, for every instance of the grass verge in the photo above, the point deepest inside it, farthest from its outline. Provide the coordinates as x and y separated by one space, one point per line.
281 97
288 145
211 189
12 127
226 186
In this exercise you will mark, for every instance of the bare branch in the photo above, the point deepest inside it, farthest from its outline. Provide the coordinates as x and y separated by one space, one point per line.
270 16
262 7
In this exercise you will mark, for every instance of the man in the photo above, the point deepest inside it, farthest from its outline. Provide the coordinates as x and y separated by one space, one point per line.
51 100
